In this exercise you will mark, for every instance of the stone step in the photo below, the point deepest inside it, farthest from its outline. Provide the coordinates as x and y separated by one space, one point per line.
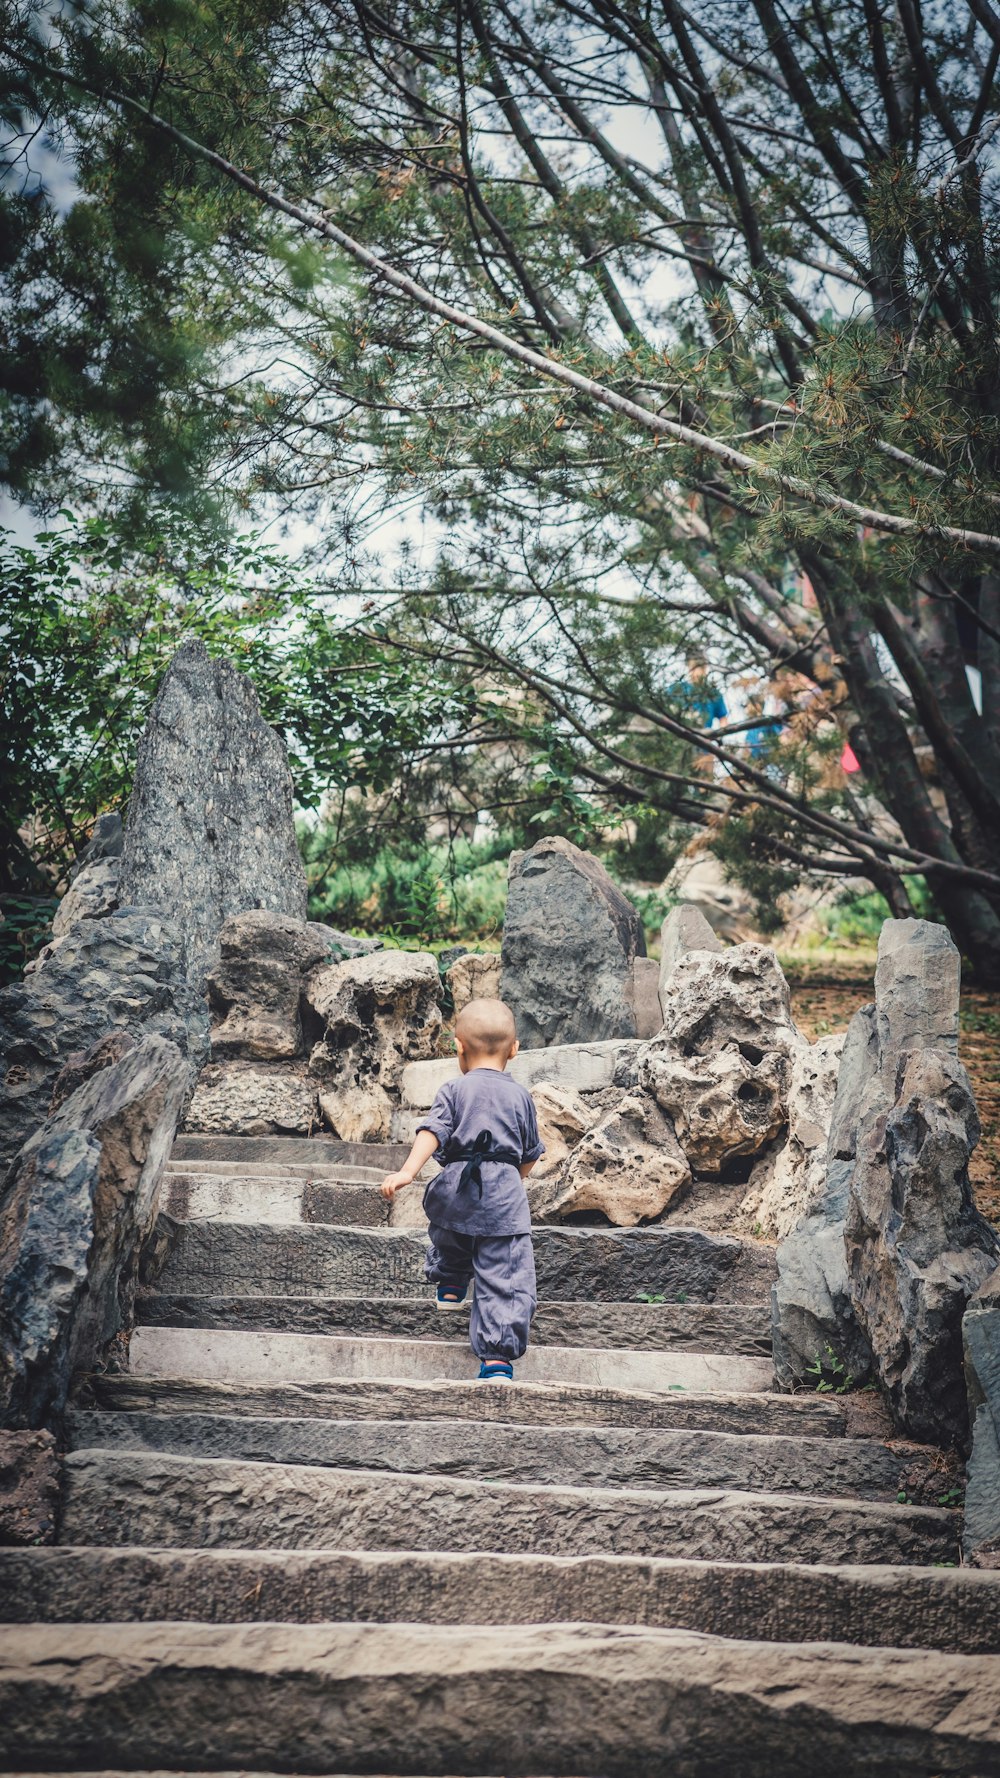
573 1456
139 1497
524 1404
336 1172
594 1701
580 1067
573 1264
944 1608
695 1327
288 1151
357 1203
235 1357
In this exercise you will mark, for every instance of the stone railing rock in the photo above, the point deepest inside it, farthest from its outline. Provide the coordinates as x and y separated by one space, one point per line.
888 1260
76 1206
124 971
570 940
210 830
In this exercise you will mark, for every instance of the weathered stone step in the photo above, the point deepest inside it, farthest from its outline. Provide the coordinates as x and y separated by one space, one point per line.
288 1151
138 1497
236 1357
592 1265
283 1198
573 1456
696 1327
525 1404
587 1700
336 1172
944 1608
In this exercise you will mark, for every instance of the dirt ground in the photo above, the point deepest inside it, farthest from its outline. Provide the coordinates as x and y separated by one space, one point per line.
825 997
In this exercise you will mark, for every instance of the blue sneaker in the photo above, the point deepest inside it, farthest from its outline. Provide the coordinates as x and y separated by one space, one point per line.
448 1296
496 1370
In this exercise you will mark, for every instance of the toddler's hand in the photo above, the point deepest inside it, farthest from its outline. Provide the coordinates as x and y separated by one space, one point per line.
393 1183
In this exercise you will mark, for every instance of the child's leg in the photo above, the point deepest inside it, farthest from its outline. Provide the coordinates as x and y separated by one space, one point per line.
449 1259
505 1296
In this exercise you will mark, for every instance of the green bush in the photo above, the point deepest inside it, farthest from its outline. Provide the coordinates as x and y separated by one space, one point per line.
431 894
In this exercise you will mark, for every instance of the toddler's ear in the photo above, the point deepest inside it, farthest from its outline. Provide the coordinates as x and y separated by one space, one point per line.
512 1052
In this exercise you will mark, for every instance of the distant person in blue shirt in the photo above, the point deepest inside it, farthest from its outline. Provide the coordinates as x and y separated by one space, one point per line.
483 1130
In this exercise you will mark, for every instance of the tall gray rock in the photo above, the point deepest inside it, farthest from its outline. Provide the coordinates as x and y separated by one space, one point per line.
981 1339
210 830
570 940
684 929
121 972
75 1208
915 1246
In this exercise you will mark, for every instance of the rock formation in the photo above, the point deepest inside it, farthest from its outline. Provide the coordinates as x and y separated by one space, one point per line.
721 1066
123 971
209 830
563 1117
684 929
247 1099
917 1249
254 991
790 1180
93 889
75 1207
813 1317
570 939
474 976
981 1341
368 1017
628 1165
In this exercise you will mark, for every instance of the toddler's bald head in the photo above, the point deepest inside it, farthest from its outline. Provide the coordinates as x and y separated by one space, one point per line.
486 1028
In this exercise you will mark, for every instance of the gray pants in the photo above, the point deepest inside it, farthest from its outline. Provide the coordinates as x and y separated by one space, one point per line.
504 1270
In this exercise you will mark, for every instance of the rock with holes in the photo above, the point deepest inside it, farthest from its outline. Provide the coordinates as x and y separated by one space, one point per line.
122 971
210 830
790 1180
721 1067
628 1167
76 1206
563 1118
570 938
368 1017
813 1320
255 989
917 1248
474 976
240 1098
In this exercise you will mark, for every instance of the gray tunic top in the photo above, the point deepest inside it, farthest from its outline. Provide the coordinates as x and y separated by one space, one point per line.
483 1099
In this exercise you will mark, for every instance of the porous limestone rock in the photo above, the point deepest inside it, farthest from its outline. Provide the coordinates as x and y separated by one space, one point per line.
29 1489
981 1342
210 830
812 1315
474 976
721 1066
917 1248
789 1181
563 1117
570 938
628 1166
369 1017
122 971
684 929
255 988
75 1207
238 1099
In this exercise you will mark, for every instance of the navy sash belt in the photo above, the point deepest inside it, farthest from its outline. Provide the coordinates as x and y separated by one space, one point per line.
474 1154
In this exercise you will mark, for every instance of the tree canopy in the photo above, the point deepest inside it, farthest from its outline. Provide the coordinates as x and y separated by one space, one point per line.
679 321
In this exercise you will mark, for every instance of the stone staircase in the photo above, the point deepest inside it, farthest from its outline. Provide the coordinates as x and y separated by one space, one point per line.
299 1537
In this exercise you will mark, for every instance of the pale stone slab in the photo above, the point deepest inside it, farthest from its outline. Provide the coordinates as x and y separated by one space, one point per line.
581 1067
238 1357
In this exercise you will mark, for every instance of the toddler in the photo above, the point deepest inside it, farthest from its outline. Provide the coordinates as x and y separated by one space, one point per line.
483 1129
